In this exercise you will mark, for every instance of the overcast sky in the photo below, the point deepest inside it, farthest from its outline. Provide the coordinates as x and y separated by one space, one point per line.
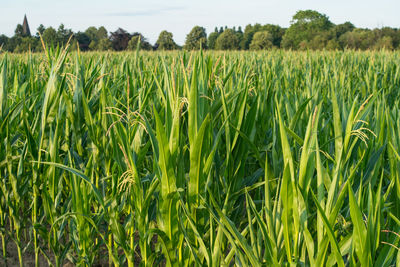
178 16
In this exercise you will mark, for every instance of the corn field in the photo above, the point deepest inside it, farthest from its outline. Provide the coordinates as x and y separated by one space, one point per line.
201 158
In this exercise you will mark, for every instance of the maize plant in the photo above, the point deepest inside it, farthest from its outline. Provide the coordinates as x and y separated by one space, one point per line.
201 158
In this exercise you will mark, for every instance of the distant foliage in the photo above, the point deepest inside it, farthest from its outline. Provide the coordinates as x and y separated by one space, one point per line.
228 40
133 42
96 35
196 38
305 26
120 39
261 41
50 36
166 41
212 39
104 45
309 30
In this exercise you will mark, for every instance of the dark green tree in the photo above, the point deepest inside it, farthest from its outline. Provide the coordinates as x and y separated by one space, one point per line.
19 31
50 36
91 32
63 34
133 42
239 35
11 43
196 38
212 38
276 32
83 40
95 35
102 33
165 41
40 30
228 40
3 42
120 39
248 34
26 44
340 29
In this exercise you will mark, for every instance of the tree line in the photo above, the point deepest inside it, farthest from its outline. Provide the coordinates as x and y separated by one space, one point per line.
308 29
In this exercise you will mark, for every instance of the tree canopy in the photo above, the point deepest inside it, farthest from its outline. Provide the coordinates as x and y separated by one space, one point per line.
134 41
309 29
305 25
50 36
196 38
212 39
228 40
120 39
165 41
261 41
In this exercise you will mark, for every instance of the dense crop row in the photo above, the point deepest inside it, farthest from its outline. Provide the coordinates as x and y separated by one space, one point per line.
201 158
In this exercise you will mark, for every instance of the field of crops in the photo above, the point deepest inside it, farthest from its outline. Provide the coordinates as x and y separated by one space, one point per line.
203 158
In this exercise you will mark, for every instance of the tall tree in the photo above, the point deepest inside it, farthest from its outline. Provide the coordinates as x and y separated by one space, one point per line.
102 33
212 38
63 34
341 29
248 34
305 25
50 36
133 42
91 32
196 38
40 30
83 40
276 32
239 34
19 31
165 41
3 42
96 35
228 40
120 39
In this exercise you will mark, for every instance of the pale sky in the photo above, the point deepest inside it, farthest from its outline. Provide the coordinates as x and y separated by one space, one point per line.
179 16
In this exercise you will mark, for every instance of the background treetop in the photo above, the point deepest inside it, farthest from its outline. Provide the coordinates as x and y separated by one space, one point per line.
308 29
